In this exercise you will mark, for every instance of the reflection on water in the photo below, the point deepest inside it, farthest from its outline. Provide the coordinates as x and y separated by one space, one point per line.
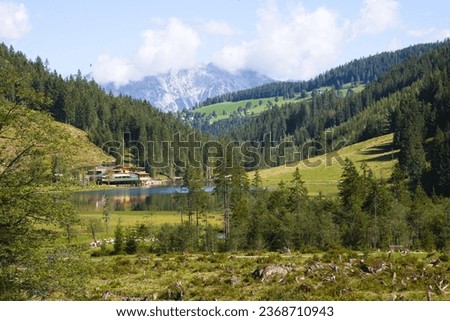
157 198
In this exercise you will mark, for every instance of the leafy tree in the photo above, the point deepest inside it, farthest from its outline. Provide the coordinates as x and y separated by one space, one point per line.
278 225
298 194
131 242
323 233
298 207
257 180
26 141
222 182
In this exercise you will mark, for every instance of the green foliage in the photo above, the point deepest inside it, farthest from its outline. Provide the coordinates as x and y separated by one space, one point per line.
83 104
177 238
335 275
195 201
409 137
119 239
410 100
364 70
28 216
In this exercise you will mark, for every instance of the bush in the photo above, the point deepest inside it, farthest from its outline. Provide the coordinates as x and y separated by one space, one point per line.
177 238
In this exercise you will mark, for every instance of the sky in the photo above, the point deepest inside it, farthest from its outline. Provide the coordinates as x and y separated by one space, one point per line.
121 41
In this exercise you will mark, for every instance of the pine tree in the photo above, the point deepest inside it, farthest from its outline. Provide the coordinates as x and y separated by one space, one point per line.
351 218
298 205
440 163
195 199
119 239
409 137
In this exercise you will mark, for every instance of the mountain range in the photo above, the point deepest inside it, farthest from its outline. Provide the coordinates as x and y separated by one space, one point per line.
184 89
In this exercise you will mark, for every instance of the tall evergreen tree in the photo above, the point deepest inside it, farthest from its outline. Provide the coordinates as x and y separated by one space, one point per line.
409 137
351 218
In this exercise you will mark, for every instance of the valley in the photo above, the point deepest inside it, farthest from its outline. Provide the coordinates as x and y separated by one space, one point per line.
334 188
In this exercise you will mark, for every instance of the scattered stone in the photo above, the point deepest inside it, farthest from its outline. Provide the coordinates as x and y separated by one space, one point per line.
234 280
286 250
267 271
313 267
304 287
106 295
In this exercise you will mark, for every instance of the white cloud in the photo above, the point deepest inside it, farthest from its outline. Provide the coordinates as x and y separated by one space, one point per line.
14 22
421 32
291 42
114 69
375 17
173 47
218 28
395 44
299 44
430 34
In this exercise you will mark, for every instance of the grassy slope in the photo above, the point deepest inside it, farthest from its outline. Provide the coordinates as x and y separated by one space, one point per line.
376 152
230 107
80 151
57 141
256 109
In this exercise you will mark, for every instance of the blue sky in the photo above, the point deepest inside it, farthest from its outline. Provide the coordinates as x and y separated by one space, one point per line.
120 41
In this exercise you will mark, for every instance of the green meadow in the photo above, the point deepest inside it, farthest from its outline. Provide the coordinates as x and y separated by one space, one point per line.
82 230
322 173
257 106
265 276
225 110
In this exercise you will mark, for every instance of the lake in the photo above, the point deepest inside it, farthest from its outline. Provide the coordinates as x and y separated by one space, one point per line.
155 198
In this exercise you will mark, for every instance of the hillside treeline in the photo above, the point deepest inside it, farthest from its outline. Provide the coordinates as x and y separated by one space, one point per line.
367 214
410 100
106 118
363 70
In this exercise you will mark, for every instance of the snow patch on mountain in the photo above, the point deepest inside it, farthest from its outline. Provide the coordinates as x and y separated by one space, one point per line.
184 89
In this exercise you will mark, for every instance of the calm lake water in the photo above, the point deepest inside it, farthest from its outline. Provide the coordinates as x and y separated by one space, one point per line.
155 198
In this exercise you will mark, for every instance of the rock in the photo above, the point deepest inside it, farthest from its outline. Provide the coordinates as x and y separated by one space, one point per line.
267 271
106 295
286 250
234 280
313 267
306 287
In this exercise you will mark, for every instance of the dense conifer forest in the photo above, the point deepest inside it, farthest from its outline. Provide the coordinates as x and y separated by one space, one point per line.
406 93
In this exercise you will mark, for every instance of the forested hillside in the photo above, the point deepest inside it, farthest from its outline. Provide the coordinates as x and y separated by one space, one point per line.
411 100
337 78
363 70
42 258
105 118
416 86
